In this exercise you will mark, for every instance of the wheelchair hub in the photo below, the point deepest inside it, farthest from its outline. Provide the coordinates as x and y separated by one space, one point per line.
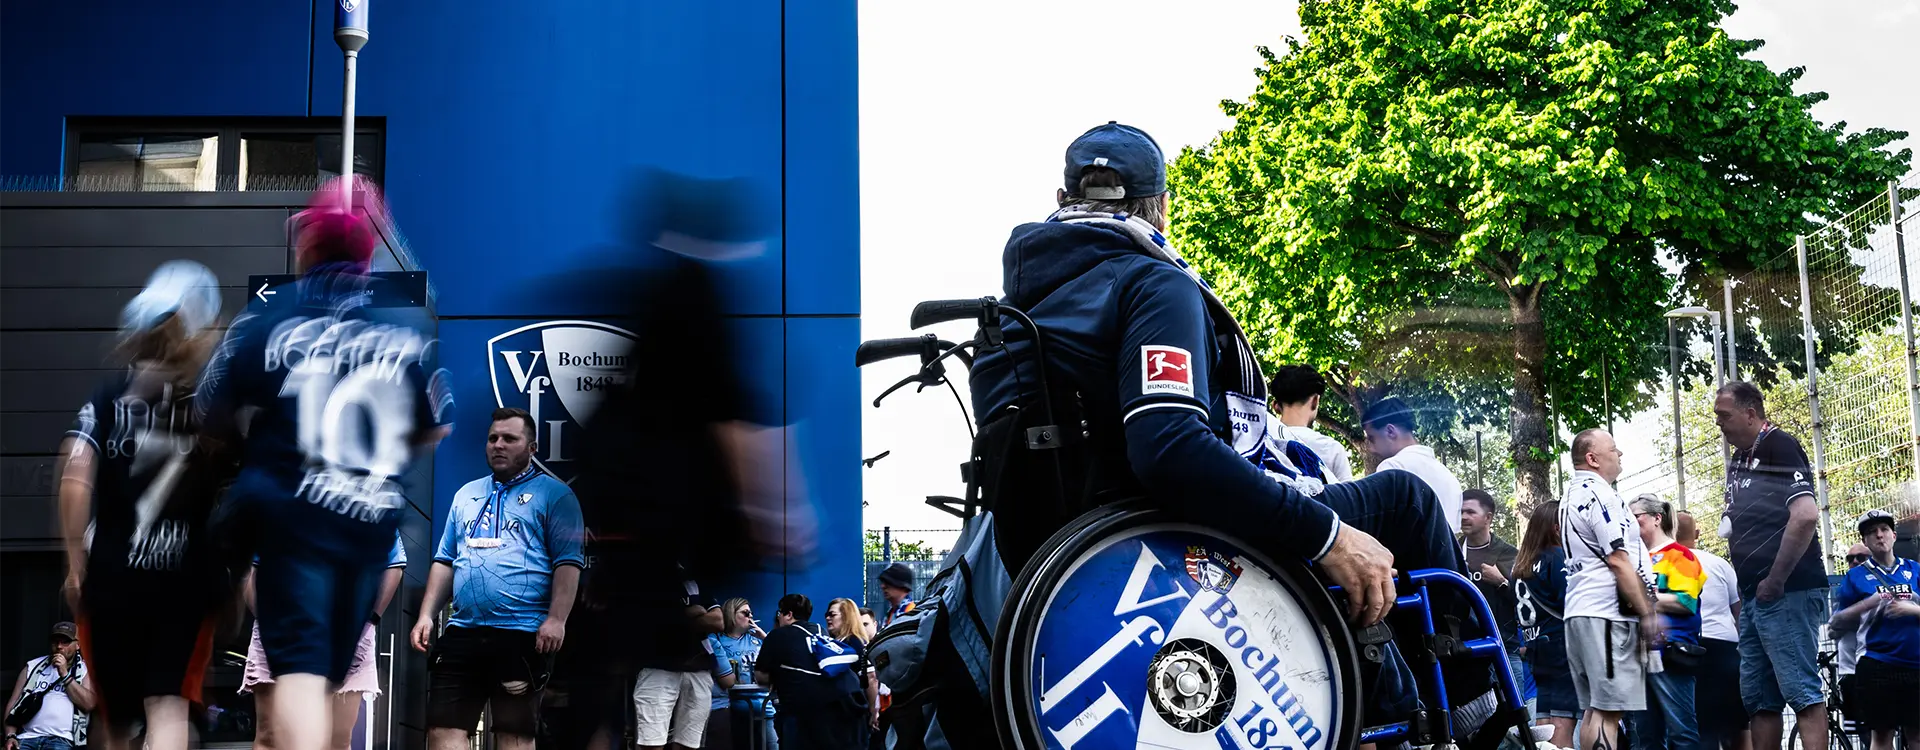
1192 685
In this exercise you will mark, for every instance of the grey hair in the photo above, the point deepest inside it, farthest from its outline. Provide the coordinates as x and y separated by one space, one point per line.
1652 504
1147 207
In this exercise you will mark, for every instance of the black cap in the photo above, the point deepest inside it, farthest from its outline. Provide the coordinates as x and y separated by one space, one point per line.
1874 516
66 630
897 575
1123 149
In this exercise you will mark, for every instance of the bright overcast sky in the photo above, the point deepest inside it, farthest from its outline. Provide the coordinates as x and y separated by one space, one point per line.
966 108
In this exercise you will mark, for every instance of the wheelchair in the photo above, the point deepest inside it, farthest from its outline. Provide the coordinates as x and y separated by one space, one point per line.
1132 628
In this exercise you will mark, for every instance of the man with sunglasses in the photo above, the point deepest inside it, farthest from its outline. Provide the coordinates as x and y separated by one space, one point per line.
1878 602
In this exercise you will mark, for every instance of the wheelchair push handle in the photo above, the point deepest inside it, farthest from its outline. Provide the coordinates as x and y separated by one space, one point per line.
880 350
943 310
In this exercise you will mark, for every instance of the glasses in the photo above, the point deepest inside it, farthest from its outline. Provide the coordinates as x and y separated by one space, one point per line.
1856 559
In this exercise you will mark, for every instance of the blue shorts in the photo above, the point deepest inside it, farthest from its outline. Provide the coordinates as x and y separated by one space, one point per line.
1778 644
1554 695
312 610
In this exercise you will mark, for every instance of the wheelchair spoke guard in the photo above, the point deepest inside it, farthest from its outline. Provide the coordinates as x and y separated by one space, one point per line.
1130 629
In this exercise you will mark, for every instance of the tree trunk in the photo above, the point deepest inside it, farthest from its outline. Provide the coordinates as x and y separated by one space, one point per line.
1532 431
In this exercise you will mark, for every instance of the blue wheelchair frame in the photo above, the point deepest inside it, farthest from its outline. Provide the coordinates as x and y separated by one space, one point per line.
1418 584
1483 647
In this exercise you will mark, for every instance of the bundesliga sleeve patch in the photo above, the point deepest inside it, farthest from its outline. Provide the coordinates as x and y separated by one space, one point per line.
1166 369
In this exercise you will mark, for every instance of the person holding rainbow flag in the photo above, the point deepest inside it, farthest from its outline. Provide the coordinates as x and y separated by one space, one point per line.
1669 721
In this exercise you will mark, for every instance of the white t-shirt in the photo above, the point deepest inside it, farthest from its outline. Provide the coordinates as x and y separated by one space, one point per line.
1717 598
1419 460
56 716
1334 460
1593 523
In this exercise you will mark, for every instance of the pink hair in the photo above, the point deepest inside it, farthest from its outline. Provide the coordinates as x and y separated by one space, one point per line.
332 232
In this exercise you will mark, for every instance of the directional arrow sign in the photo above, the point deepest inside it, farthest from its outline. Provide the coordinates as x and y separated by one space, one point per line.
387 288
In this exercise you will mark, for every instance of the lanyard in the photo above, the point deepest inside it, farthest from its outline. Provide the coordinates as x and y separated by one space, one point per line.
1739 466
493 515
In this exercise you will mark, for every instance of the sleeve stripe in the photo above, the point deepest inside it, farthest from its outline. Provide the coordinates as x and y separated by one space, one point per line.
1165 405
1331 535
86 437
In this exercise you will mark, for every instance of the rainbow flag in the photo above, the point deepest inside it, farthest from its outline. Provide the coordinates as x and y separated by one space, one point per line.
1677 571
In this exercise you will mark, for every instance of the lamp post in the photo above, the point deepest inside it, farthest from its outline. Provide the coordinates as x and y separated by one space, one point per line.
1673 382
350 32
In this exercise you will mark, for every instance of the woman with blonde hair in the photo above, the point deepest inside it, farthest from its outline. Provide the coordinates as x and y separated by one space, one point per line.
843 623
735 649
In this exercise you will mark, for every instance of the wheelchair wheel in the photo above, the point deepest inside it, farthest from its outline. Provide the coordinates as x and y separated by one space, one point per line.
1132 629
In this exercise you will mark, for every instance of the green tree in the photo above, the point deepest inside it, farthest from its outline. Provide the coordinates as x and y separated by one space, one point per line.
903 549
1506 166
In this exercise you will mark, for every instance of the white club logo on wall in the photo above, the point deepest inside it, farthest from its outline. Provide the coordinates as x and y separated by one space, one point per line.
558 371
349 5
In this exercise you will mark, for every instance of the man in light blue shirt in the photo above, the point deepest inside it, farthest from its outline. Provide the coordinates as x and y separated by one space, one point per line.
510 556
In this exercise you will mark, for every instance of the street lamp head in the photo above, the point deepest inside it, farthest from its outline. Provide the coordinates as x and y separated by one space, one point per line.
1695 311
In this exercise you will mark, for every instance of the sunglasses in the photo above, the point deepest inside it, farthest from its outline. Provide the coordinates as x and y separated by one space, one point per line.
1856 558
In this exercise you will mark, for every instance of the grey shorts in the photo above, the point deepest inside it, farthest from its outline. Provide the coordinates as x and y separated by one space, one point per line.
1605 660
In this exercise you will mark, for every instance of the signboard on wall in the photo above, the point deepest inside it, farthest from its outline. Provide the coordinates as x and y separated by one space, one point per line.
558 371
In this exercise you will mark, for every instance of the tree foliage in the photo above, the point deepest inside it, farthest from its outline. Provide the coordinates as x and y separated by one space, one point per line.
1503 195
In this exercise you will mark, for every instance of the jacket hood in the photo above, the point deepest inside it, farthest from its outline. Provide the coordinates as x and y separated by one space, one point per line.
1041 256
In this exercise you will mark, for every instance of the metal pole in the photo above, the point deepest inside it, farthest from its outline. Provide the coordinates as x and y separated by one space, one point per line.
1606 394
1679 432
1813 402
1479 464
886 544
346 132
1733 354
1906 322
1720 381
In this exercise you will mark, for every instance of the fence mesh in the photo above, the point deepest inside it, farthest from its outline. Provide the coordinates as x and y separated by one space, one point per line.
1864 436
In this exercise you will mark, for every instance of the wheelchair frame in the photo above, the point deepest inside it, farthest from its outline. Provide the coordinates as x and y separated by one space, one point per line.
1432 724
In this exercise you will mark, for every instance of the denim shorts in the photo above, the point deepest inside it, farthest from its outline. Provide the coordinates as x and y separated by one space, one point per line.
1778 643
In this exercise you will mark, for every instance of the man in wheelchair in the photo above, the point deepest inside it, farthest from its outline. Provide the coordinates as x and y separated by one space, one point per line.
1153 392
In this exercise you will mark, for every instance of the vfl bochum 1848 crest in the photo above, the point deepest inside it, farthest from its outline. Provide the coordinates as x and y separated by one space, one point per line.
558 371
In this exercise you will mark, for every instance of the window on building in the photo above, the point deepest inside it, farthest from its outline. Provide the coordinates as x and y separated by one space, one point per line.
153 154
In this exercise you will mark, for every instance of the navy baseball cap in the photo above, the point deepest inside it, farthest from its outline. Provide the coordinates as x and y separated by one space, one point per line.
1124 149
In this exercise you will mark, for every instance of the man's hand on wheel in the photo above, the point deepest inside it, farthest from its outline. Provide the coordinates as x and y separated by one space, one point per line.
422 634
1364 569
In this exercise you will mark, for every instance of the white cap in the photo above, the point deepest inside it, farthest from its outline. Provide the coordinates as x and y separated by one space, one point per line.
178 289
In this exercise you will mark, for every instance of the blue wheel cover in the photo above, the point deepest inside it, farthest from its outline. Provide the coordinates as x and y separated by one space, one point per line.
1128 615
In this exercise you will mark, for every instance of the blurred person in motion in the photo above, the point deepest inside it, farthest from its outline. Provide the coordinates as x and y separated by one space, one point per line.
51 698
510 556
136 489
1610 619
1877 598
896 589
674 692
717 504
1390 436
333 402
1490 566
734 651
1296 390
1723 720
363 677
1775 551
843 623
1670 719
1540 589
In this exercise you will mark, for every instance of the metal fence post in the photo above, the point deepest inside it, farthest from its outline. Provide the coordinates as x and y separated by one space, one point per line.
1733 354
1813 402
886 544
1679 430
1906 323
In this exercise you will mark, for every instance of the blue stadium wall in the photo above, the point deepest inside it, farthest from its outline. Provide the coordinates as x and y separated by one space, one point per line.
510 129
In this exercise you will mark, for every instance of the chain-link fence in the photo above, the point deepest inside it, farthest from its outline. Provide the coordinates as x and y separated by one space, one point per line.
921 550
1848 394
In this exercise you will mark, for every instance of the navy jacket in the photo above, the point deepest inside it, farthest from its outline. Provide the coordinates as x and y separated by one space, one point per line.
1130 333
